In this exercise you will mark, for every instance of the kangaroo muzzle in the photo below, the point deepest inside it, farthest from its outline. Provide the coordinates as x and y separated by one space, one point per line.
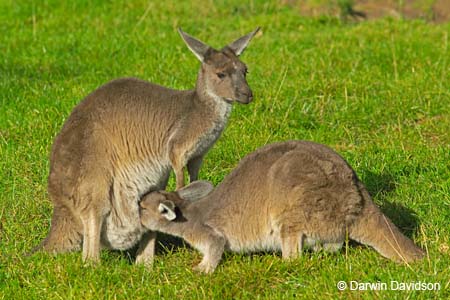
245 97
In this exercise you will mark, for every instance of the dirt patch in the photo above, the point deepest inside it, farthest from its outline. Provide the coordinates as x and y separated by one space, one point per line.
441 11
431 10
437 11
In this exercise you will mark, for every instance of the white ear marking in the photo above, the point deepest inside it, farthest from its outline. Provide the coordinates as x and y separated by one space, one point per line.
167 212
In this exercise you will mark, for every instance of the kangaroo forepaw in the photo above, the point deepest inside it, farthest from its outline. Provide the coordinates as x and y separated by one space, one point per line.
91 262
204 268
91 259
145 260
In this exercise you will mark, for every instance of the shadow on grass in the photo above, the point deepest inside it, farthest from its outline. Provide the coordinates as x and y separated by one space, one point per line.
167 243
380 185
164 244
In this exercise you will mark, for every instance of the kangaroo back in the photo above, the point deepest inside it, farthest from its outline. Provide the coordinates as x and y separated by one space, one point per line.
374 229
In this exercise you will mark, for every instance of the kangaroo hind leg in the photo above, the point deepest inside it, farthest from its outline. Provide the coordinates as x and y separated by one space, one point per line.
65 233
291 242
92 226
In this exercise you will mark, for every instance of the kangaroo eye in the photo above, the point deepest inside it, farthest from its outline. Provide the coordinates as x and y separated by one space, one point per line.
221 75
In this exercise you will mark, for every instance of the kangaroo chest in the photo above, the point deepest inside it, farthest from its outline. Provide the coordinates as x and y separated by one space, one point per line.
122 228
209 136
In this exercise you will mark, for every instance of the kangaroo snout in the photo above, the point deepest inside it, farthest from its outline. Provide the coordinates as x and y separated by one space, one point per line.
245 97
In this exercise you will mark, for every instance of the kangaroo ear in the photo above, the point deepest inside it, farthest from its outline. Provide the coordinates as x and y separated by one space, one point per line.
196 190
167 210
197 47
239 45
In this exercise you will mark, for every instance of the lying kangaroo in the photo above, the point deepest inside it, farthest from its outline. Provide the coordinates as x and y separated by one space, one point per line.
123 140
283 196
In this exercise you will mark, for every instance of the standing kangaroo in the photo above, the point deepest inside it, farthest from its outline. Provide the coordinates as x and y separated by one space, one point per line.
284 196
123 140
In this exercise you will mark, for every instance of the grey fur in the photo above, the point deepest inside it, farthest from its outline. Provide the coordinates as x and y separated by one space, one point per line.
284 196
123 140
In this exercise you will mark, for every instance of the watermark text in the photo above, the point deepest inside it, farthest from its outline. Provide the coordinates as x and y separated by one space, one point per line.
392 285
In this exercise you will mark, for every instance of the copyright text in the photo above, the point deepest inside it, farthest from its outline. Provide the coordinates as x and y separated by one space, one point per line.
393 285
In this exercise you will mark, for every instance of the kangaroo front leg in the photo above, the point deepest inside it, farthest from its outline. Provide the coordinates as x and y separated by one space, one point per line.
178 163
194 167
91 237
146 250
179 176
212 253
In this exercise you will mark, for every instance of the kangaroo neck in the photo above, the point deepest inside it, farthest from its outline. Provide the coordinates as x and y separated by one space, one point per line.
184 226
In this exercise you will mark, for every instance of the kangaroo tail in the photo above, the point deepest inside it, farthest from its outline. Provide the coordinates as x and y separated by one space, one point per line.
374 229
65 233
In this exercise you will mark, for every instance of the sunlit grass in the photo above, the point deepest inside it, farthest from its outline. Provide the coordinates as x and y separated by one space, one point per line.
377 92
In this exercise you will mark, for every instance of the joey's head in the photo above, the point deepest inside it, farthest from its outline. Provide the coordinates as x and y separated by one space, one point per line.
222 73
160 207
156 208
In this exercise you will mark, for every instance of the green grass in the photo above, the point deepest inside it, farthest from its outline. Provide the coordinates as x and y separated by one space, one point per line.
377 92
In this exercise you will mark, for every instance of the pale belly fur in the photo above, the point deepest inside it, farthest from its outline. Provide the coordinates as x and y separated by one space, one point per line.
270 240
122 228
266 240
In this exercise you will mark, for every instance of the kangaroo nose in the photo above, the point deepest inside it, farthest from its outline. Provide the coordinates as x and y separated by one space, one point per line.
245 97
250 96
